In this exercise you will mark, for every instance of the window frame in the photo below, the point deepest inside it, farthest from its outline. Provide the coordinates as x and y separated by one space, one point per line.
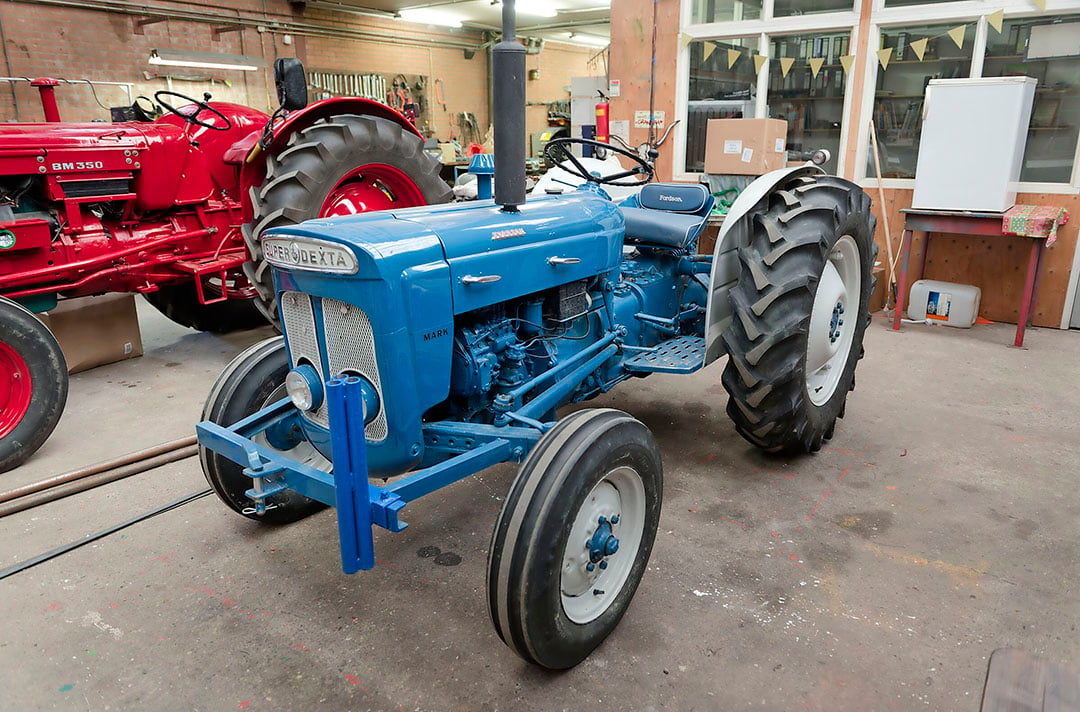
960 11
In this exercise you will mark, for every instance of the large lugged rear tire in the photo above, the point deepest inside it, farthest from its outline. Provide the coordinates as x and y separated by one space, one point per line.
800 310
180 302
342 165
33 384
252 381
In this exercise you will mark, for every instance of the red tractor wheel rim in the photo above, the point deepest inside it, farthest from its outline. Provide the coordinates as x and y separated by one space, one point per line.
15 389
376 186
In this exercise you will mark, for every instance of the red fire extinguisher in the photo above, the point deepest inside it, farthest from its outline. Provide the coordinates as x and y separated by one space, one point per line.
603 119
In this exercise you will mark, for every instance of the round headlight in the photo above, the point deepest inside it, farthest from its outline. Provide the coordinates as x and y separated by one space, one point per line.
304 387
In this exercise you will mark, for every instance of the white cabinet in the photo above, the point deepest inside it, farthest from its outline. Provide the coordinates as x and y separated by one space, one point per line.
972 143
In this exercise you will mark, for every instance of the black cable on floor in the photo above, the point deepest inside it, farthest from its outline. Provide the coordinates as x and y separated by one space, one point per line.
48 555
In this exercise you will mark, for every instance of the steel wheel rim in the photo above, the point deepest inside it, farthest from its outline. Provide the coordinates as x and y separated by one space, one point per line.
16 389
304 451
376 186
833 320
620 493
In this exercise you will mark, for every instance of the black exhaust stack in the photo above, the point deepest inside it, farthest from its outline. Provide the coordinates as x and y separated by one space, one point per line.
508 71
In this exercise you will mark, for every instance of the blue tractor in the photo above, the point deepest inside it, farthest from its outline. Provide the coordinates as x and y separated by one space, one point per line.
424 345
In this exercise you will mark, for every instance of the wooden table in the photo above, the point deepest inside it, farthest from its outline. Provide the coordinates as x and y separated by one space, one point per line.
965 223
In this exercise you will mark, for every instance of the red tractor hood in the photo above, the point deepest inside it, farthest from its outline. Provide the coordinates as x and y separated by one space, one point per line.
53 136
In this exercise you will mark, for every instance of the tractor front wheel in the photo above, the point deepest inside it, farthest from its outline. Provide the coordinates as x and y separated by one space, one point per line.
33 384
252 381
800 309
180 302
342 165
574 536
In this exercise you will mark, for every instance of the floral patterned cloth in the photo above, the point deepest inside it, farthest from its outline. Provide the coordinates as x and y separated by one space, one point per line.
1034 221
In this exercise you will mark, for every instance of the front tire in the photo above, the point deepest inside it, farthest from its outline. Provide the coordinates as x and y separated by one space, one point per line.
342 165
801 307
180 303
33 384
574 537
252 381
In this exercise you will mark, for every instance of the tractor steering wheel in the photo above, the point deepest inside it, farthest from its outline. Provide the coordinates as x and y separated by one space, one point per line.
560 146
192 118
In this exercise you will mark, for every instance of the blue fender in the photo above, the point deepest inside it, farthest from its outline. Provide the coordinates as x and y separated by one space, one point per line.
735 233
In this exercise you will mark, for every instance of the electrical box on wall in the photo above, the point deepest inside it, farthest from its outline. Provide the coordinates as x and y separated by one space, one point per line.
972 143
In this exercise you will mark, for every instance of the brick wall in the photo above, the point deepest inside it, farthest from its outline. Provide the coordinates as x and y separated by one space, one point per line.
40 40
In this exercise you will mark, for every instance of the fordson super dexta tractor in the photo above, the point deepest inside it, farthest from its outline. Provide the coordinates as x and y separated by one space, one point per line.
171 208
422 346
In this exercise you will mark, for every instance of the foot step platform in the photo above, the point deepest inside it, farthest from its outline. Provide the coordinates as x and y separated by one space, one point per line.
683 354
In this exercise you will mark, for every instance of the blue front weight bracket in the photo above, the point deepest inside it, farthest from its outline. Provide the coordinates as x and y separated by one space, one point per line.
345 403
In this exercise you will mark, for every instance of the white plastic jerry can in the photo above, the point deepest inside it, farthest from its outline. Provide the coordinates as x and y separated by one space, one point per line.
944 303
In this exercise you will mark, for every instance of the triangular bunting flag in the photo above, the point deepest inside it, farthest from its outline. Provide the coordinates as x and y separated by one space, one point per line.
785 64
815 64
733 57
1041 4
759 62
957 35
883 56
707 51
846 61
685 40
994 19
919 47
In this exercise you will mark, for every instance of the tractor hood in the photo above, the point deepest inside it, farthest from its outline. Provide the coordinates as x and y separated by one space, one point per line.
61 136
493 255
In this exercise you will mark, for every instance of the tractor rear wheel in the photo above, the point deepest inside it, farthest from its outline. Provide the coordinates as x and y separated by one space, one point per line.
180 302
33 384
800 310
252 381
342 165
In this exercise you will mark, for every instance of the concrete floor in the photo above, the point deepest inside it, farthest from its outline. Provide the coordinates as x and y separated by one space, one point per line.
879 574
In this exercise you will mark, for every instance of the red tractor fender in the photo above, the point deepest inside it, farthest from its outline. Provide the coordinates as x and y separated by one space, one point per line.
253 171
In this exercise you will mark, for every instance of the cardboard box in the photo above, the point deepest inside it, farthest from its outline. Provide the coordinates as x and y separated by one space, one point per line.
94 331
748 147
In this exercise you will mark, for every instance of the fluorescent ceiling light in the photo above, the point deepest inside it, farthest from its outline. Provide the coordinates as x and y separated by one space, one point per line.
536 8
427 16
204 60
588 40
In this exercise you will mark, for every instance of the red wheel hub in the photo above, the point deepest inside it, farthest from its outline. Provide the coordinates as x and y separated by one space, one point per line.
376 186
15 389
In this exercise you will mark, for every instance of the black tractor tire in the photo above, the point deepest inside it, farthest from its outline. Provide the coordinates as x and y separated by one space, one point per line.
30 354
537 551
793 234
252 381
301 177
180 302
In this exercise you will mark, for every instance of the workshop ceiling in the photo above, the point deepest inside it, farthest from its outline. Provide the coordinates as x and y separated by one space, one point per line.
584 22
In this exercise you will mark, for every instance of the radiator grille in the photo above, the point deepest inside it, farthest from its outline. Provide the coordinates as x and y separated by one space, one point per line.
350 346
298 320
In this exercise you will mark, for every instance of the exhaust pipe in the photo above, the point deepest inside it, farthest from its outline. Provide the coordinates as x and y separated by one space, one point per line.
508 68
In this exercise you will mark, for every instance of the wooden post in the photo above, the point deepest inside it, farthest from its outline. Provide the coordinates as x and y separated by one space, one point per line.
884 215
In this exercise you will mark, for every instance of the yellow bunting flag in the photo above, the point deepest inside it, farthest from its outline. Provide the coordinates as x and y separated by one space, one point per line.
1041 4
919 47
994 19
707 51
759 62
785 64
685 40
733 57
815 64
957 35
883 56
846 61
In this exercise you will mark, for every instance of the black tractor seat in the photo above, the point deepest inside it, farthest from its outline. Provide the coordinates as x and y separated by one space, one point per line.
670 216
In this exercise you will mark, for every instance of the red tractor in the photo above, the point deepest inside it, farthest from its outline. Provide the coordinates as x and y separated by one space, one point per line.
172 209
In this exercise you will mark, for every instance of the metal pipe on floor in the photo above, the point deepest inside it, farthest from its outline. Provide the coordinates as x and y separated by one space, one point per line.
94 469
96 480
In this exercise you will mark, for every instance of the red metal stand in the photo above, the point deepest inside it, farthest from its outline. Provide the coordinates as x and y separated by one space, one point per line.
964 223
